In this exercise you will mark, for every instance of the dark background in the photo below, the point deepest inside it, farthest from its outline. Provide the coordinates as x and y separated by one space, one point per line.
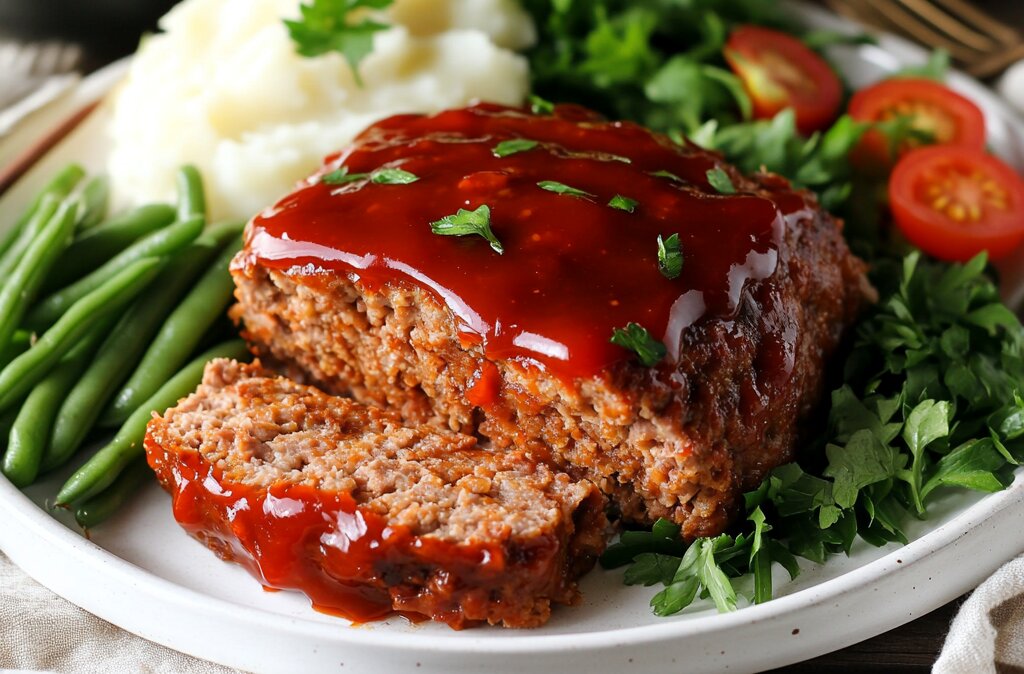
109 29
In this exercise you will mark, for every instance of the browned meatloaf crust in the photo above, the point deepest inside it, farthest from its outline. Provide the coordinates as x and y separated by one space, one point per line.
365 514
681 442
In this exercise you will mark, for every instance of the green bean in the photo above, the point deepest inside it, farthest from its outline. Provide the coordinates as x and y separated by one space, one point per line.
191 196
104 467
25 371
29 233
95 199
178 337
122 351
94 247
18 343
32 426
222 232
20 288
58 188
6 421
162 242
101 507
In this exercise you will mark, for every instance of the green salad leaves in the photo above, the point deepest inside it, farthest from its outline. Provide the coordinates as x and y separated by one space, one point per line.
656 62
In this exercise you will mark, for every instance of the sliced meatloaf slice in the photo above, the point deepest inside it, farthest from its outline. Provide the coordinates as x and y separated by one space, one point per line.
367 515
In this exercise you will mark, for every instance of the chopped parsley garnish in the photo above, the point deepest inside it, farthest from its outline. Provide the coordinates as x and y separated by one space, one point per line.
667 174
382 176
561 188
466 223
636 338
514 146
327 25
721 181
623 203
393 176
670 257
541 106
341 176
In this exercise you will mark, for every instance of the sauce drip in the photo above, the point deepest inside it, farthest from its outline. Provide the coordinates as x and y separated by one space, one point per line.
573 269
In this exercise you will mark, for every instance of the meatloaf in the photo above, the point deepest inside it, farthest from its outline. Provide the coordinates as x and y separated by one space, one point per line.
470 270
367 515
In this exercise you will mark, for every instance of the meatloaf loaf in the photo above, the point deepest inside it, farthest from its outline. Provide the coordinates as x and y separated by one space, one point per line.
367 515
631 310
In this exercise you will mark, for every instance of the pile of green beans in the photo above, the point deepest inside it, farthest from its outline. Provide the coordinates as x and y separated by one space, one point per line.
101 319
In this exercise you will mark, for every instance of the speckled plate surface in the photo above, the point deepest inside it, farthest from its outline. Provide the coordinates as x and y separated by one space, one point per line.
141 572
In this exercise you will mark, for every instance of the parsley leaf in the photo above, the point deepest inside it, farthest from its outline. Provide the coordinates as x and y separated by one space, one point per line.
636 338
561 188
649 568
393 176
382 176
721 181
541 106
676 596
670 256
698 570
667 174
465 223
623 203
864 460
927 422
327 25
513 146
341 176
663 538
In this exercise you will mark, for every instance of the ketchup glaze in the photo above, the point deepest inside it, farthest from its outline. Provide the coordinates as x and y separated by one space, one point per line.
573 268
349 560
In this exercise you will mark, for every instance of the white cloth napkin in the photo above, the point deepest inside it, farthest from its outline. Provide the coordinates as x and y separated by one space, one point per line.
987 634
39 631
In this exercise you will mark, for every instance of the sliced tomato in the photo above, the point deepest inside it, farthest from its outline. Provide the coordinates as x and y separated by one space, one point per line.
933 108
954 202
779 71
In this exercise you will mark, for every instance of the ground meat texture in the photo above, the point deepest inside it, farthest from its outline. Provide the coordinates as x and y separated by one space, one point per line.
348 287
367 515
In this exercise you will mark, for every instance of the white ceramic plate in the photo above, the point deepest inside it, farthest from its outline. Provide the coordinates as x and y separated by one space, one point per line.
141 572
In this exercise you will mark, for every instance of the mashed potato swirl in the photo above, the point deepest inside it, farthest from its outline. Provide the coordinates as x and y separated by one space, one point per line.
221 87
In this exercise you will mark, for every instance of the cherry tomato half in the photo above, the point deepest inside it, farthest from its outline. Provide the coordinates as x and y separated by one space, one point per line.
954 202
779 71
933 108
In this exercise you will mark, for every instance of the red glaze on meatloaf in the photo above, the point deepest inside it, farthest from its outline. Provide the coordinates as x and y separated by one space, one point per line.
367 515
346 282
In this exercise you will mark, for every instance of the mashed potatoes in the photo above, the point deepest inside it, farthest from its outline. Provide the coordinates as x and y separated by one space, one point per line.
223 88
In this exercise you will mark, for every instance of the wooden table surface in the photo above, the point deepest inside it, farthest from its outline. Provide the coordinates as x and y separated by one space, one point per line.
911 648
